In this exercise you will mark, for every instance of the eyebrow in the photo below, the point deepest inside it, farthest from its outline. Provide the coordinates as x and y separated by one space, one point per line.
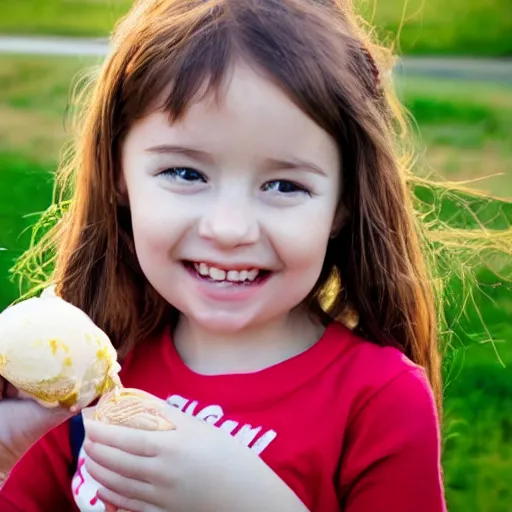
197 154
203 156
294 164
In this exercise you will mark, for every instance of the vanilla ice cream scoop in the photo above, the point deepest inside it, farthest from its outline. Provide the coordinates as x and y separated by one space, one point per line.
54 352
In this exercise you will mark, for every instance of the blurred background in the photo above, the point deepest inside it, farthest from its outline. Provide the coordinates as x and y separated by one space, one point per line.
455 78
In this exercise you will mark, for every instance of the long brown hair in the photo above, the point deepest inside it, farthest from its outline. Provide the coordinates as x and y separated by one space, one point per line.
319 54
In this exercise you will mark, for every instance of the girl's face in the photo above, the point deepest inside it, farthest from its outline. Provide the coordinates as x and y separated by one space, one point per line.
232 206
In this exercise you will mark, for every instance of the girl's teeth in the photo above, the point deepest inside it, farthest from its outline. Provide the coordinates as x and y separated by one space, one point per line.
251 275
233 275
218 274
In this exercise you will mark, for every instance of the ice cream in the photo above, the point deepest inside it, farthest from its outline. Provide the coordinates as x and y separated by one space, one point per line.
54 352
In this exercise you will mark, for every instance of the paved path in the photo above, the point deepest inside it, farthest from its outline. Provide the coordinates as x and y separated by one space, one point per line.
497 70
53 46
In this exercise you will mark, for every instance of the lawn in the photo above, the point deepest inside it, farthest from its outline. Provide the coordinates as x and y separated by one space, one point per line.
82 18
466 130
458 27
440 27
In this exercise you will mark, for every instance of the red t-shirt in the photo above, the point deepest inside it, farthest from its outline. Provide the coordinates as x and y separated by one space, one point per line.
348 425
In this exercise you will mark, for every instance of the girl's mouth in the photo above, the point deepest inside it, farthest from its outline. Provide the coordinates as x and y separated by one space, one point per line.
226 277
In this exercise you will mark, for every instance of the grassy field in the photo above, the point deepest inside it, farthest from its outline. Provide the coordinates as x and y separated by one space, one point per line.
461 27
61 17
466 129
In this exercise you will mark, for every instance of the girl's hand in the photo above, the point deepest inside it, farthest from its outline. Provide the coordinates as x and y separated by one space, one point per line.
22 423
196 467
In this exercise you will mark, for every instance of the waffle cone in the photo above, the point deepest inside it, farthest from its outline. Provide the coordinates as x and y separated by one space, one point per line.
132 408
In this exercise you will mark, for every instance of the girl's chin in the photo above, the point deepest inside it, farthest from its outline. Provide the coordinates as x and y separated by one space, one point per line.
222 322
222 325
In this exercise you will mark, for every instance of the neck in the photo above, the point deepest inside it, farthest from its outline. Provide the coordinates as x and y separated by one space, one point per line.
248 350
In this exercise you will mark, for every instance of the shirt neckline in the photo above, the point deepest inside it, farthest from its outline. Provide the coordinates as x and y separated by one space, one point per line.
273 381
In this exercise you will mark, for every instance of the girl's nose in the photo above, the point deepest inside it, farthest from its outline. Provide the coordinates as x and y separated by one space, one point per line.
229 223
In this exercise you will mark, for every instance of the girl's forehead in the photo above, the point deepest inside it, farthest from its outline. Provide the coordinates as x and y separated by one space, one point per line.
247 109
240 83
246 92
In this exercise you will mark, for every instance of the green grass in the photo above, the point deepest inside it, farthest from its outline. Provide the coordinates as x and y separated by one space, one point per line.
466 129
478 453
457 27
25 190
33 102
81 18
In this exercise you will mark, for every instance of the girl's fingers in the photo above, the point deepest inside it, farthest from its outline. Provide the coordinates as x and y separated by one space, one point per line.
118 461
9 391
130 488
114 502
136 442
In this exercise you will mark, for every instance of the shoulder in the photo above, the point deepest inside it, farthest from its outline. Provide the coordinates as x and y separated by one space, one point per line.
373 375
376 365
391 436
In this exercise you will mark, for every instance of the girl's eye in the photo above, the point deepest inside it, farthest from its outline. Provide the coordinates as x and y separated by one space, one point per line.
285 187
183 174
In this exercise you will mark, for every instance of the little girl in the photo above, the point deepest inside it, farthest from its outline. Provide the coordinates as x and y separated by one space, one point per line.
241 228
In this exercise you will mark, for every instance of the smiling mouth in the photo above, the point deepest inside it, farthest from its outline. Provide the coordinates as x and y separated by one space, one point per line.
243 277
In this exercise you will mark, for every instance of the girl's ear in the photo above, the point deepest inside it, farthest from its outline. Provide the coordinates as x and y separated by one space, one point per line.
340 219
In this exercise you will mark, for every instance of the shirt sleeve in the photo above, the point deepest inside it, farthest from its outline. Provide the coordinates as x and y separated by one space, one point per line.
41 480
391 461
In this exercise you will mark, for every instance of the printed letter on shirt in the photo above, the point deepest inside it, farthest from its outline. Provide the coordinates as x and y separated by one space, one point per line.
255 438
